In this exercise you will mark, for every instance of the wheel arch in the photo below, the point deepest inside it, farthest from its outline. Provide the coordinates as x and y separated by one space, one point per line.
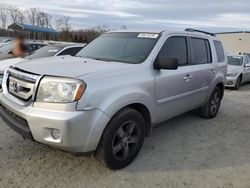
144 111
221 86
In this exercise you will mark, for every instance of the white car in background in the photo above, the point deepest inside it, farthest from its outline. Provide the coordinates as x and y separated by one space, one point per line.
238 70
47 51
4 41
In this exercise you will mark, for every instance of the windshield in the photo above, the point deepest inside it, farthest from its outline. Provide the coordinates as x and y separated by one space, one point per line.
130 48
47 51
235 60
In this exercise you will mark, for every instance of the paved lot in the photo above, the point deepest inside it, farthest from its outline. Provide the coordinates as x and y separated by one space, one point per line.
184 152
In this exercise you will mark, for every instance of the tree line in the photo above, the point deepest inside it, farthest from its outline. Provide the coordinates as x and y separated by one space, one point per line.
33 16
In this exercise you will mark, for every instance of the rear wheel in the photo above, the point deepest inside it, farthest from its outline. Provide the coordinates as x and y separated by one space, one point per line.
211 108
122 140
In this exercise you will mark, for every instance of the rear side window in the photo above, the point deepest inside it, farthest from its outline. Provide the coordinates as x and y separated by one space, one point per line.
219 51
176 47
70 51
201 51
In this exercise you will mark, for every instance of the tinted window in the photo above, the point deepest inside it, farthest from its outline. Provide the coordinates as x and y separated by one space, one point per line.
70 51
33 47
176 47
201 51
131 48
219 51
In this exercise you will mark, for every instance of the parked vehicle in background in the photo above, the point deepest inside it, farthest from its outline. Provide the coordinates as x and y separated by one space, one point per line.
56 50
238 70
51 50
107 99
4 41
31 46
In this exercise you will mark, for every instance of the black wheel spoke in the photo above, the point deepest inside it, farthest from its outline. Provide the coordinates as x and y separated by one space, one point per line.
117 148
125 153
132 140
120 133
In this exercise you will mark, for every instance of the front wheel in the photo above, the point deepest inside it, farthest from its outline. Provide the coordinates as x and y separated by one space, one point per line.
237 85
122 140
211 108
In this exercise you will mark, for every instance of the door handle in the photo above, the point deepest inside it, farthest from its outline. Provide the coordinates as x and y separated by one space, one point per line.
212 72
188 77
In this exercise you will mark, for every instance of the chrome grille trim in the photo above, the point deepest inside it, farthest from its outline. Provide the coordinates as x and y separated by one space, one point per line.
24 91
23 75
20 88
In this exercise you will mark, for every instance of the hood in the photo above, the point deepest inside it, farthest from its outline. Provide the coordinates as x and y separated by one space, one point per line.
4 64
68 66
234 69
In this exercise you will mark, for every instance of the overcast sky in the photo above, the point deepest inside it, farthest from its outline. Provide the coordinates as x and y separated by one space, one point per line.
214 15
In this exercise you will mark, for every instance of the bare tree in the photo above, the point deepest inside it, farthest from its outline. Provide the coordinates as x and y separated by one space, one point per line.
3 14
16 15
32 15
102 28
63 25
43 19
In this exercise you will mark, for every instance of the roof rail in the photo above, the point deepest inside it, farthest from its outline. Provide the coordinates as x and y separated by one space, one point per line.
200 31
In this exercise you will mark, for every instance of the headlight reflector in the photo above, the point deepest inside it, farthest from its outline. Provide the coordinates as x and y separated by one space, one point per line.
60 90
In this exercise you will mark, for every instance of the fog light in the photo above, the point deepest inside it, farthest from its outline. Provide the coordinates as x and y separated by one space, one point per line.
55 133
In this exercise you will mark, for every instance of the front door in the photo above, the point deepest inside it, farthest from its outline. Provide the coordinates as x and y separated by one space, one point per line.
173 87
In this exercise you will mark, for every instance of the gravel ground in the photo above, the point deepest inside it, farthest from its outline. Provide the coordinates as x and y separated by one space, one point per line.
183 152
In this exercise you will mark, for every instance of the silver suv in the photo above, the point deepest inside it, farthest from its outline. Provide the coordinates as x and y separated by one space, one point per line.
108 98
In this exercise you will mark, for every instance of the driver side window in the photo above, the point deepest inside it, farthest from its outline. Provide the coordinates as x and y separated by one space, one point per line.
176 47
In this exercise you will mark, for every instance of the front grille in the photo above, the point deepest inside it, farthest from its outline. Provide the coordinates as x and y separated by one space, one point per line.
20 84
21 89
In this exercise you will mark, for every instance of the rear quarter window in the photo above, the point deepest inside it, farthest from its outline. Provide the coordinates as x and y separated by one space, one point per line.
219 51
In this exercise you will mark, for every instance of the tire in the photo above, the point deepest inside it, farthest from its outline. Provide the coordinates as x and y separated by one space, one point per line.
211 108
238 83
122 139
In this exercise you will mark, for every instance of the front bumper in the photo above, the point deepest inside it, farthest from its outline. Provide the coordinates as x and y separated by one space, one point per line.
231 81
80 130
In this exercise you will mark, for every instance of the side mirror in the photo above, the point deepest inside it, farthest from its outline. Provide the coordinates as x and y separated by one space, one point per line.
169 63
247 65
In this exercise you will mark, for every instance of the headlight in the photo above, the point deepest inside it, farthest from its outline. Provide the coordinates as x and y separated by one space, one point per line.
232 74
60 90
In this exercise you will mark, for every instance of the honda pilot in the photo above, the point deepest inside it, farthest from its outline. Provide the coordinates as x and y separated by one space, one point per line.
107 99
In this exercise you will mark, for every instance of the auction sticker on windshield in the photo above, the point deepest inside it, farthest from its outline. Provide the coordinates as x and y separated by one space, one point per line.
148 35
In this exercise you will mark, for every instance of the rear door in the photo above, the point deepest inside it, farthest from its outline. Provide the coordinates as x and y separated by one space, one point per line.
203 70
173 87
